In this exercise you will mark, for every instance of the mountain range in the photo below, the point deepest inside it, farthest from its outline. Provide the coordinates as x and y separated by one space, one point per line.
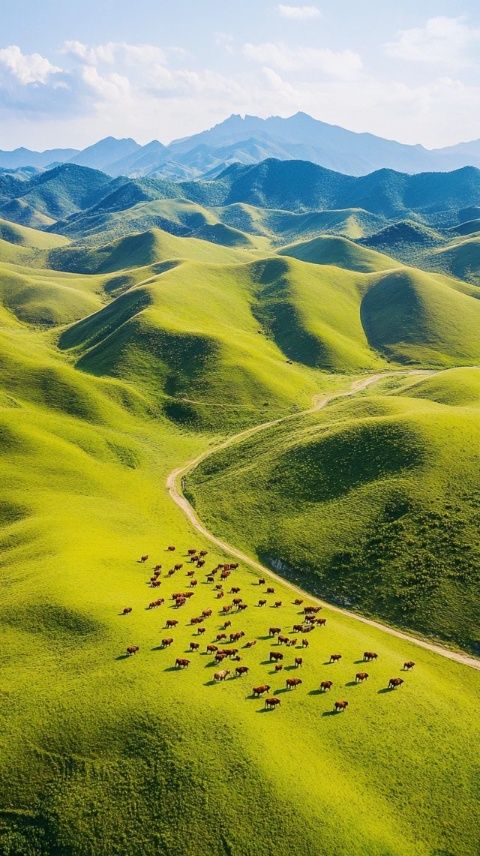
248 140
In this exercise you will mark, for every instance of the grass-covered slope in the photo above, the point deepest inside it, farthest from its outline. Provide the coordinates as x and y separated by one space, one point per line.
374 504
107 754
338 251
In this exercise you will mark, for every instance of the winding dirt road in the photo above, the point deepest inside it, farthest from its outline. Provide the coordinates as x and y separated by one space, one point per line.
174 487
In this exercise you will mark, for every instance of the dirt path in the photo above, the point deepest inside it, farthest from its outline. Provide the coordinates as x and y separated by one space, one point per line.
174 487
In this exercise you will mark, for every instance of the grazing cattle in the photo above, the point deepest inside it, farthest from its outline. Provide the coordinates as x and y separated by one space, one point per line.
234 637
278 667
157 568
321 622
270 591
307 628
250 644
224 575
200 563
127 610
234 590
291 683
199 619
181 663
277 604
298 602
263 688
261 582
243 606
226 624
219 656
193 583
190 573
226 607
220 595
241 670
361 676
191 552
203 552
334 658
394 683
221 676
298 661
275 655
211 649
166 643
194 646
155 584
180 601
369 655
282 640
262 603
237 601
171 622
292 643
274 630
201 630
298 628
178 567
340 705
326 685
171 548
221 636
143 559
132 649
304 643
209 579
408 665
171 572
272 703
206 613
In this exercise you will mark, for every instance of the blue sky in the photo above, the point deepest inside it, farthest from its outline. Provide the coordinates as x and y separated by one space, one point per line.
71 72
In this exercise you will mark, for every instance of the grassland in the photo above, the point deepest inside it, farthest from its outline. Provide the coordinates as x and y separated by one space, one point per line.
109 379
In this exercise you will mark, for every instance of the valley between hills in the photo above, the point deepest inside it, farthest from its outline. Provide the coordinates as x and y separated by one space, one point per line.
146 323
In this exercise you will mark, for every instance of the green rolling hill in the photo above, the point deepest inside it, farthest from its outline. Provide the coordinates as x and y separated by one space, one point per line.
139 328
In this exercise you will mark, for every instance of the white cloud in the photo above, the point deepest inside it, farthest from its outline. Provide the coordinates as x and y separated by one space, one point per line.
299 13
443 41
343 65
27 68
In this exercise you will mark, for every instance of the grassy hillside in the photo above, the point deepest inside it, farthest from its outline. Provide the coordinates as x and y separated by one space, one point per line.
131 358
103 753
373 504
340 252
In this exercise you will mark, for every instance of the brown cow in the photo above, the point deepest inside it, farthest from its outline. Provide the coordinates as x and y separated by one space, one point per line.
171 622
282 640
177 567
408 665
292 643
304 643
191 552
321 622
201 631
243 606
237 601
127 610
221 676
361 676
220 636
132 649
171 548
194 646
369 655
181 663
193 583
263 688
270 591
250 644
143 559
298 602
278 667
298 628
298 661
190 573
211 649
272 703
277 604
219 656
157 568
234 590
261 582
226 624
291 683
241 670
262 603
341 705
334 658
275 655
210 579
206 613
394 683
203 552
166 643
326 685
274 630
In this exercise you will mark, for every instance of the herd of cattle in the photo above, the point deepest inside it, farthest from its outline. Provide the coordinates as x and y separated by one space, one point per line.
309 621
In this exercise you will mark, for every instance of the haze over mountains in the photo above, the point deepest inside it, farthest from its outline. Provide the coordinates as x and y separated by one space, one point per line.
251 139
